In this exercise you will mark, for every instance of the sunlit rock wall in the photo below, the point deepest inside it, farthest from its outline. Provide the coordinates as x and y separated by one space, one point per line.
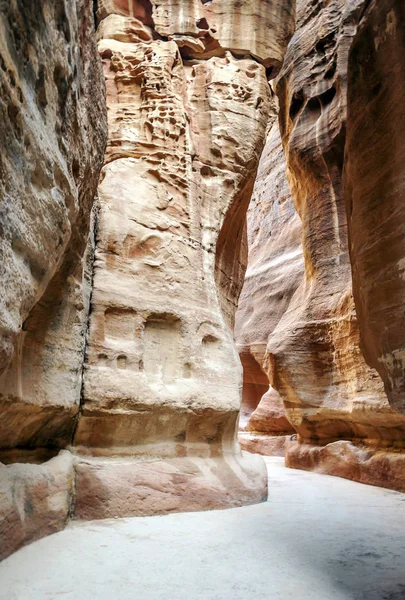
188 103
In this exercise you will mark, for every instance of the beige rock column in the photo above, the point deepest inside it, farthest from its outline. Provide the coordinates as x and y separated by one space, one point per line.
162 383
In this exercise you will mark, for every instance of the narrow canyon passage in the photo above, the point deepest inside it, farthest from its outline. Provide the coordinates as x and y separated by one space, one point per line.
317 538
202 256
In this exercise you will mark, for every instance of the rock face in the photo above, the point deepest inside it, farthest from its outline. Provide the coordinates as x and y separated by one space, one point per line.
275 270
35 500
162 377
53 134
314 359
375 187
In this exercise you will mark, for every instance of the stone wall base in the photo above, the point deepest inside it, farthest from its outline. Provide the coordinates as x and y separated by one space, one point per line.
373 465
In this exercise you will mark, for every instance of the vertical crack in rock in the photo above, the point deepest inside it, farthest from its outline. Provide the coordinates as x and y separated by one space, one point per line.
53 143
53 134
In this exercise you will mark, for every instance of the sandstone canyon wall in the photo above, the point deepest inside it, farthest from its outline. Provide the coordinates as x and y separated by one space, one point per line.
189 103
329 378
117 347
53 125
53 134
275 270
375 187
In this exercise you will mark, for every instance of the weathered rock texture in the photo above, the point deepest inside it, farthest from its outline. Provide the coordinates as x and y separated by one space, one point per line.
275 270
35 500
375 189
162 377
314 356
53 133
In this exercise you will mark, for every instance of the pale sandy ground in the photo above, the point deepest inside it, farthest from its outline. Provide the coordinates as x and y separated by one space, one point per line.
317 538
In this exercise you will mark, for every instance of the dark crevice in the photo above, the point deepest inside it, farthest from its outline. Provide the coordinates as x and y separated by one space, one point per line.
95 10
297 102
327 97
93 242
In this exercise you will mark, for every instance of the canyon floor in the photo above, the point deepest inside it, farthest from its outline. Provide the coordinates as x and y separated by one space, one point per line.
317 538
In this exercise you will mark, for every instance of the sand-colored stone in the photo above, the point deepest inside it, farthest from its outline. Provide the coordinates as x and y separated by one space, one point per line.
366 463
162 376
35 500
262 443
53 133
109 487
256 28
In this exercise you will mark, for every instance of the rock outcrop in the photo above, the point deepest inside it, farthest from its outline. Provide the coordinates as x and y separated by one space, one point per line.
53 134
188 103
35 500
275 270
375 188
314 357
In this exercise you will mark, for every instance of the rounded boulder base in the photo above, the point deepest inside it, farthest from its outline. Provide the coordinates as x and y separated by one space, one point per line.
372 465
111 487
262 443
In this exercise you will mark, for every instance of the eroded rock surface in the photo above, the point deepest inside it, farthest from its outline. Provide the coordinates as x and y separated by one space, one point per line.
328 389
162 378
275 270
53 134
375 188
35 500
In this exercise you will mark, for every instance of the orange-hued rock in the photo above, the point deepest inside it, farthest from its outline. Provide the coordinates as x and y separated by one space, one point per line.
317 366
53 132
275 270
375 189
35 500
262 443
162 376
366 463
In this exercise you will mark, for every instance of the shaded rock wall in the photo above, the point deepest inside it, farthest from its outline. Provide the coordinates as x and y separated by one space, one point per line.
329 390
327 376
275 270
375 188
53 134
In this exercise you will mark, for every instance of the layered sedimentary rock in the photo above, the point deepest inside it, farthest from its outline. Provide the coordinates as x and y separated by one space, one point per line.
375 188
329 391
53 134
162 377
275 270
